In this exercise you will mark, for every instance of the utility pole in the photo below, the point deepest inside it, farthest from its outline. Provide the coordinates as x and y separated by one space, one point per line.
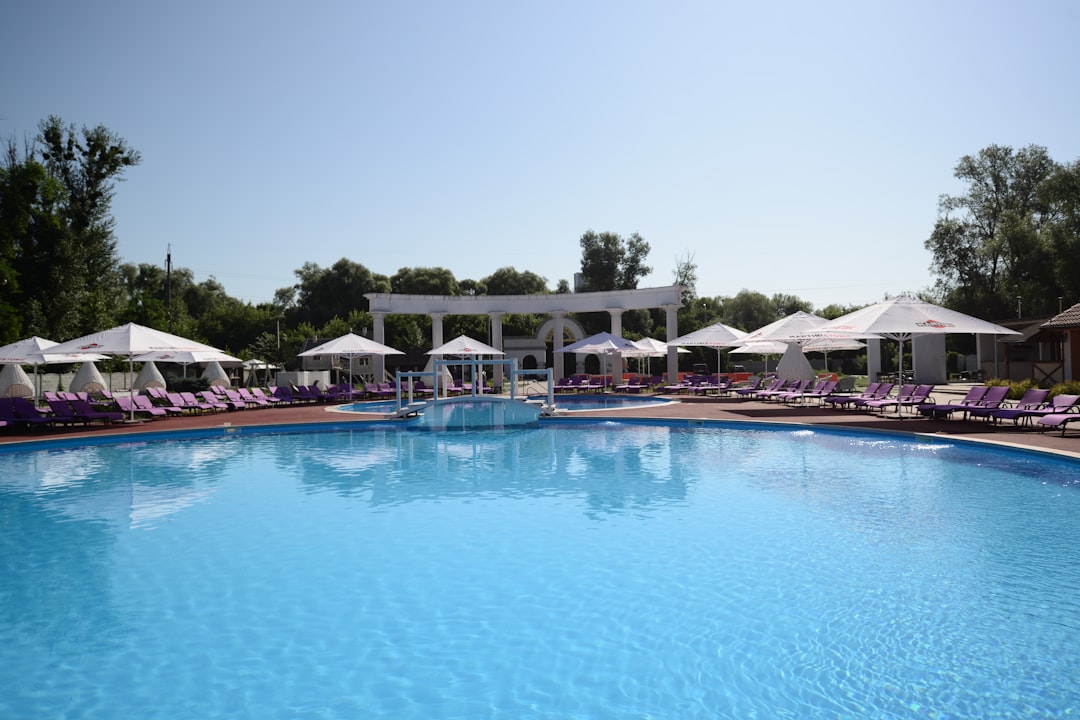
168 286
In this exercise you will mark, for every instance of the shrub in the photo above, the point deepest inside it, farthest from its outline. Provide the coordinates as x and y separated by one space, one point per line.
1070 387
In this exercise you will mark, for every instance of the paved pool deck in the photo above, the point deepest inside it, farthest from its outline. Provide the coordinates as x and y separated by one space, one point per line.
683 407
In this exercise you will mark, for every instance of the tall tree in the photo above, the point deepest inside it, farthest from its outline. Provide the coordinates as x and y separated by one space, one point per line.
424 281
1061 236
508 281
325 293
686 276
608 262
87 163
984 242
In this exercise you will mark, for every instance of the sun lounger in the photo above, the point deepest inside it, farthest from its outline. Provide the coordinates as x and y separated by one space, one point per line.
786 387
62 414
1056 405
23 413
918 395
128 407
819 392
83 408
870 393
974 396
211 397
750 388
871 405
1033 399
1058 421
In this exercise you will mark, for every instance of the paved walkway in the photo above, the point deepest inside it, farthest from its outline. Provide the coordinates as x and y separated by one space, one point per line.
732 409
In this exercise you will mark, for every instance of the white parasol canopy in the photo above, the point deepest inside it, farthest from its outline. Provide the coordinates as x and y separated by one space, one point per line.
902 318
602 344
464 345
188 357
717 335
351 345
36 351
128 341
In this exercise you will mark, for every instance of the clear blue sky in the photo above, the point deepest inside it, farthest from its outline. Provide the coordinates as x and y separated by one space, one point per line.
787 146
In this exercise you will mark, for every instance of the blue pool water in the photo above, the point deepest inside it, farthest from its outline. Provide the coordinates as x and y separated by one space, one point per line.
574 570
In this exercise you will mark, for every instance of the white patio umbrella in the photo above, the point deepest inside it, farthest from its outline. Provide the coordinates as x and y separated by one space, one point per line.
351 345
465 346
87 379
602 344
187 357
128 341
717 335
149 377
35 351
903 318
764 348
648 348
252 368
14 382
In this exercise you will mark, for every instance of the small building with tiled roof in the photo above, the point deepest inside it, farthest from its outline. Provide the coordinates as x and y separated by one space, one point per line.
1066 325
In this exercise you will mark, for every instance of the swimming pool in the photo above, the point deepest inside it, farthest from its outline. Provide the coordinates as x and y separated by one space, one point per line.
579 569
567 402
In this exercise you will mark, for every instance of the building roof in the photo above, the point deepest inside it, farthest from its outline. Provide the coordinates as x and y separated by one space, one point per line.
1068 319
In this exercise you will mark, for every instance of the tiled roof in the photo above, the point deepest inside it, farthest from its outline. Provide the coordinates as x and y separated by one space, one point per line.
1068 319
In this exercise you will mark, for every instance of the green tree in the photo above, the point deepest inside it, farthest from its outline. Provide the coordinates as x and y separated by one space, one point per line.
686 275
784 305
1061 235
985 243
325 293
87 163
424 281
508 281
749 310
608 262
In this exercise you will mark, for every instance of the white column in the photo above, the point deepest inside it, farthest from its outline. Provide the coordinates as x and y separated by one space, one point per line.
614 360
672 351
436 329
497 342
378 332
557 343
616 322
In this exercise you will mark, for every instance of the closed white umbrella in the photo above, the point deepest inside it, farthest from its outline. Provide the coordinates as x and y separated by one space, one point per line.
149 377
14 382
216 374
87 379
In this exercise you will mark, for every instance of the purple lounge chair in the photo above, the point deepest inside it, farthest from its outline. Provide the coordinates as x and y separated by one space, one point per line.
870 393
919 396
1057 405
974 396
1033 399
85 409
1059 421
